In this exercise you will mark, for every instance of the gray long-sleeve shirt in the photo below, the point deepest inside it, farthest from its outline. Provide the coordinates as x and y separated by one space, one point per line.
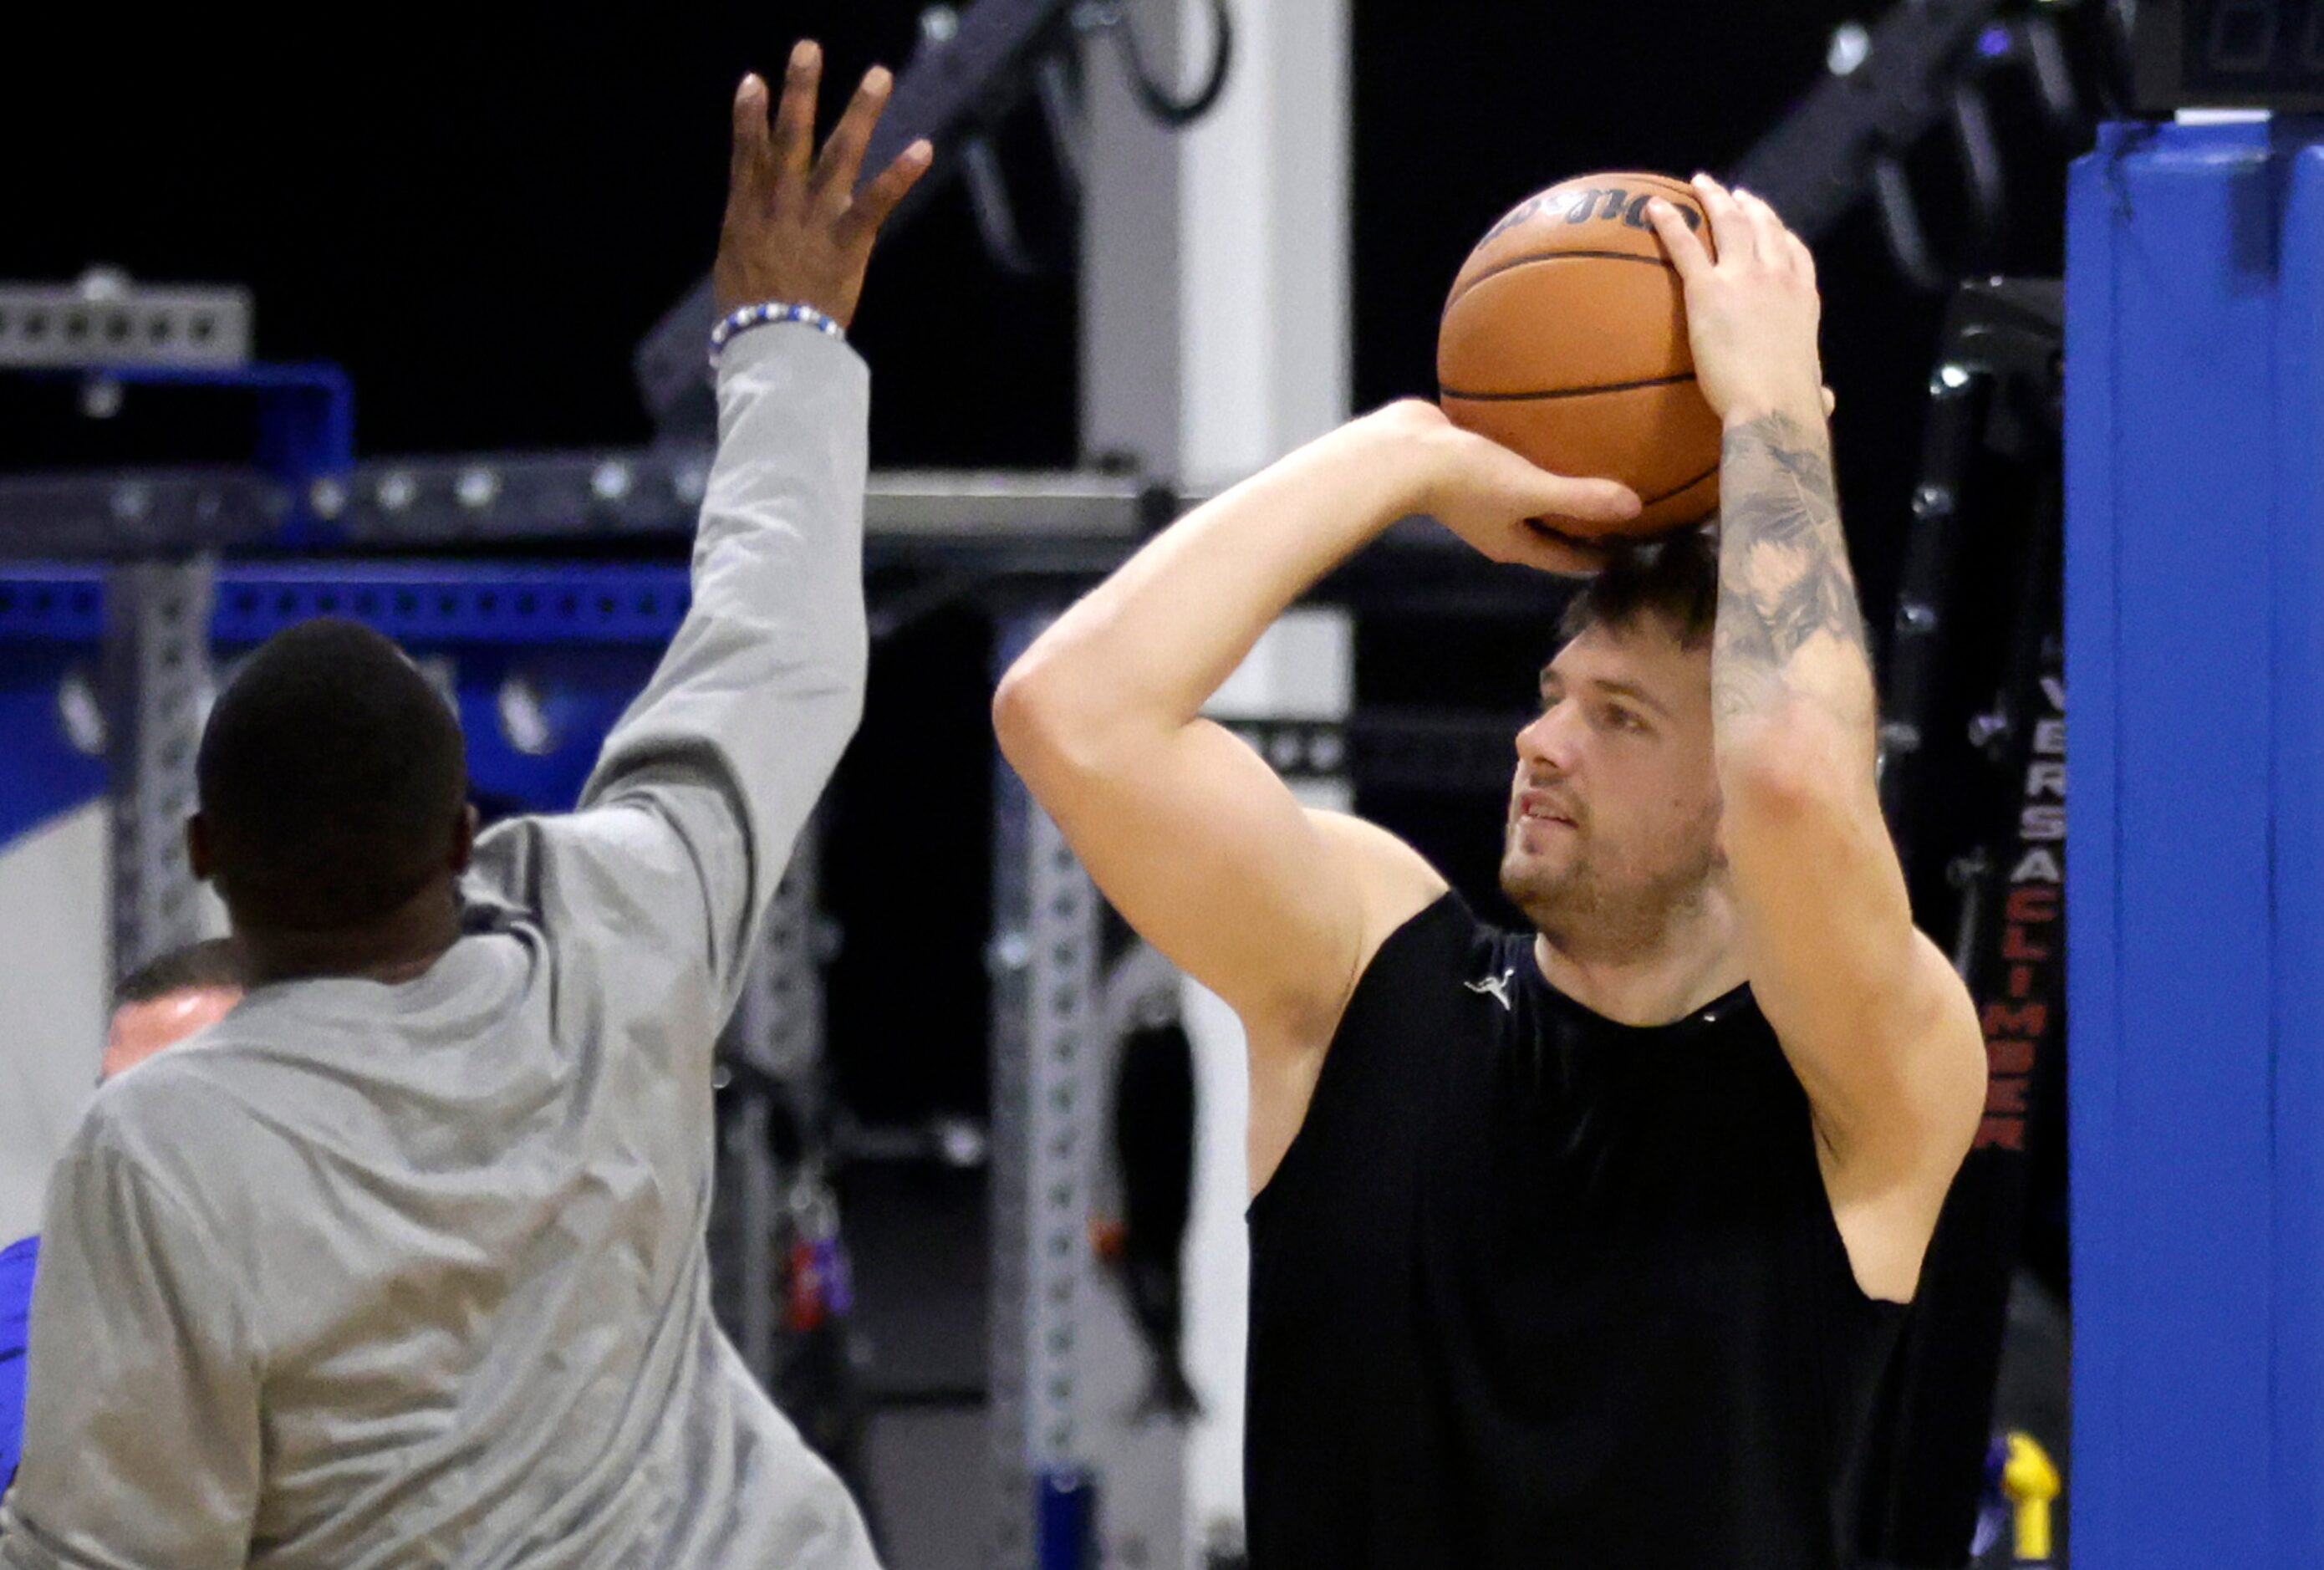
370 1276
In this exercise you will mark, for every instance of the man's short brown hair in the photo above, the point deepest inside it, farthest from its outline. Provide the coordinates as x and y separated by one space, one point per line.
1672 577
214 961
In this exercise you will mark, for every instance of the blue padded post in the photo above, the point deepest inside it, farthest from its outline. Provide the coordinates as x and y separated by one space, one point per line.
2195 665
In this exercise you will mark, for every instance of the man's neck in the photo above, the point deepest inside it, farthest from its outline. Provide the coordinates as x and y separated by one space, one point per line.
398 946
1691 960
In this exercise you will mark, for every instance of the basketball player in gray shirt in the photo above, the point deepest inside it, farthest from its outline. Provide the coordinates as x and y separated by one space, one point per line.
401 1262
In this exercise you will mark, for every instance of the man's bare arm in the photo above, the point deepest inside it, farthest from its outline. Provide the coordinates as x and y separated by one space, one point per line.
1187 831
1878 1027
1789 627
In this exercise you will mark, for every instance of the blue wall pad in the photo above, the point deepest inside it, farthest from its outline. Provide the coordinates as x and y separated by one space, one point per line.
540 660
51 731
2195 905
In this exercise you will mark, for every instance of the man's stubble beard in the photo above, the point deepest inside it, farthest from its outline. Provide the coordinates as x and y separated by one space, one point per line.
1581 912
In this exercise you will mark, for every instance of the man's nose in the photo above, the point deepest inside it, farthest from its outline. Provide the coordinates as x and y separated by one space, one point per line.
1548 742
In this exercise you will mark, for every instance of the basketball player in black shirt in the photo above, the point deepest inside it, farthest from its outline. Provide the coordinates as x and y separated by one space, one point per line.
1581 1246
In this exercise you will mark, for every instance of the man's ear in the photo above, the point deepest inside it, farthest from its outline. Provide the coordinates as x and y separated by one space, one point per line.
464 838
197 847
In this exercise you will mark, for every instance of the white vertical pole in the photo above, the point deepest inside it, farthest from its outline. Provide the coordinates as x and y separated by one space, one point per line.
1130 375
1215 298
1263 200
1264 322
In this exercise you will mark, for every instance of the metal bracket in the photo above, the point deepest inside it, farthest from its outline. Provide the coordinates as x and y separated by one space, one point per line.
1045 1007
464 500
1997 379
778 1024
305 428
122 335
103 321
157 682
775 1045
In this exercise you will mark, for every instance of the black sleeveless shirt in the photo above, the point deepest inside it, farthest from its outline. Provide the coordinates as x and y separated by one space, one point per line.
1532 1288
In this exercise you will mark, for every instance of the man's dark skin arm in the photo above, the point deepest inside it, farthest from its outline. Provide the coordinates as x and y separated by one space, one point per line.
799 228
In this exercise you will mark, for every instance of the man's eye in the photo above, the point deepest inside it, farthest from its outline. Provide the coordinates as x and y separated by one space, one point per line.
1622 719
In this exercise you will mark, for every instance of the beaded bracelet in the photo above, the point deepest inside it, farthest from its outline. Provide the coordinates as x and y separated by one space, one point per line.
751 315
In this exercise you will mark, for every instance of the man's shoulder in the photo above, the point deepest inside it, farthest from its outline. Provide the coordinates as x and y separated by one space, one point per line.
157 1118
167 1150
1443 950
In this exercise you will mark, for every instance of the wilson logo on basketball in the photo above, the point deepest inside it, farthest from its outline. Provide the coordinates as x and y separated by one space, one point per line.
1590 205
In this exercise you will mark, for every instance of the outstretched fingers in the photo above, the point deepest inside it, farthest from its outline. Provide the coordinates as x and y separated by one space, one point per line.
798 229
842 163
875 202
794 139
750 171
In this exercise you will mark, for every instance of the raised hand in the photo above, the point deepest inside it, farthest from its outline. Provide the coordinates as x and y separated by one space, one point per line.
1502 505
1751 316
797 229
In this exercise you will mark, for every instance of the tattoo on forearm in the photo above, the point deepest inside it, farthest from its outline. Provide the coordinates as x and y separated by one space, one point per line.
1783 582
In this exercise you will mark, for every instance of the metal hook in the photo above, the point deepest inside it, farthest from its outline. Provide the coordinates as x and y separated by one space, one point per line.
1112 17
1980 157
2054 73
1057 87
996 215
1900 223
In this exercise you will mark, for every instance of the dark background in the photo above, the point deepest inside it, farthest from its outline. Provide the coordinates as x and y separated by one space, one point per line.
478 210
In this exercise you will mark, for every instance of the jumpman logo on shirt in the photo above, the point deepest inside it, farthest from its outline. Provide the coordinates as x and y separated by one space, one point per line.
1497 986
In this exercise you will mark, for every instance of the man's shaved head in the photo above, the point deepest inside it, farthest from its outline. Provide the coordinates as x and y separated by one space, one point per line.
333 781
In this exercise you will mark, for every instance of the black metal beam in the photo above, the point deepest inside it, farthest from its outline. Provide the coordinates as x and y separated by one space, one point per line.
1820 160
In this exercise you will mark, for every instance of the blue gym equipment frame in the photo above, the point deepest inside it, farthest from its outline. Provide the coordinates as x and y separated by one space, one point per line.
2195 664
539 660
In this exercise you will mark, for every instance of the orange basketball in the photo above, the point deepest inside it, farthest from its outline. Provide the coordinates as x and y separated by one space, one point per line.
1564 337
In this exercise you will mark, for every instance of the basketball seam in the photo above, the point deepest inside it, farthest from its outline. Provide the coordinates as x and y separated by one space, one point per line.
1442 391
1530 257
1678 490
